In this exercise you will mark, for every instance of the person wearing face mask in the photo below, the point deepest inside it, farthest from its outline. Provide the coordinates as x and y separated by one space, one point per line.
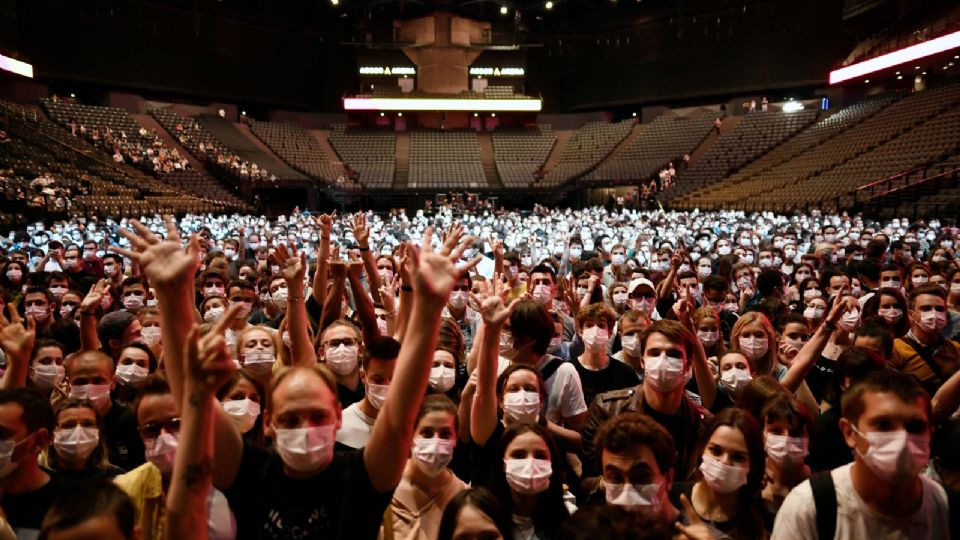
242 398
886 421
133 294
923 352
630 326
12 277
136 362
638 460
148 485
92 375
890 307
28 489
78 452
413 515
115 331
443 374
729 476
46 369
786 438
642 297
243 294
458 309
598 373
529 482
275 306
113 269
376 373
340 349
572 254
667 349
617 297
213 282
617 268
38 303
543 280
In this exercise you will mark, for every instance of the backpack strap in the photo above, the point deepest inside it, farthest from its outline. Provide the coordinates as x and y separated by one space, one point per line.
825 504
926 354
551 368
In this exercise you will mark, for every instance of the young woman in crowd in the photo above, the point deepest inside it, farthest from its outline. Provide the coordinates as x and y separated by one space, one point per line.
787 428
243 399
474 513
707 323
427 485
257 348
727 477
79 446
46 370
891 307
528 480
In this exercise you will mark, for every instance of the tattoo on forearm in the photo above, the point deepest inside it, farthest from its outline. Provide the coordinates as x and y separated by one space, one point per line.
199 474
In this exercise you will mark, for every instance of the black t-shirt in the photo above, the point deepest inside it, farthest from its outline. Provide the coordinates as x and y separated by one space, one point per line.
820 376
615 376
347 396
25 511
722 401
484 457
829 450
673 423
339 502
123 439
91 474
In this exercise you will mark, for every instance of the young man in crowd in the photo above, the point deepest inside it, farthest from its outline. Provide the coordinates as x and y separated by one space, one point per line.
923 352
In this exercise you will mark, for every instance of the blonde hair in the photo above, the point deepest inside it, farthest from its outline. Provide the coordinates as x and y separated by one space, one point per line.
766 364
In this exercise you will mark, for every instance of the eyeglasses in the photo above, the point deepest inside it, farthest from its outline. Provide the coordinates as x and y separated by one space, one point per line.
334 343
152 430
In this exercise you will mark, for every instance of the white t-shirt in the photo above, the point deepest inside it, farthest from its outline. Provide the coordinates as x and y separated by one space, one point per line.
356 427
564 391
797 518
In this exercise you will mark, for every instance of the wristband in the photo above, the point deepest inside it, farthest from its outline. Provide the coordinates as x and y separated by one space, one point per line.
294 298
406 288
831 326
363 250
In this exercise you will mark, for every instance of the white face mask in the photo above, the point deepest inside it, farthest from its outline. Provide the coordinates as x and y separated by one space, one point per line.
76 444
99 394
131 374
895 456
704 270
150 335
786 451
813 313
618 259
620 298
631 344
133 302
245 308
39 313
7 448
849 321
708 339
575 252
891 315
458 299
343 359
810 294
377 394
442 378
259 362
213 314
522 406
595 339
664 373
933 321
279 297
528 476
644 498
721 477
46 376
244 412
432 455
754 347
162 451
542 294
306 449
734 379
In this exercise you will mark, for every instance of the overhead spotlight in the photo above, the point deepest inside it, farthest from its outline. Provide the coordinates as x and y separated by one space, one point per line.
493 115
924 73
898 73
476 115
548 5
899 77
335 2
243 113
400 114
867 81
504 10
72 95
382 114
916 68
634 115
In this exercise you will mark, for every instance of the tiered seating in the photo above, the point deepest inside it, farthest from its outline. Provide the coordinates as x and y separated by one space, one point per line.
114 130
520 153
445 159
665 139
765 169
202 186
204 146
586 148
369 153
755 134
91 182
806 178
298 148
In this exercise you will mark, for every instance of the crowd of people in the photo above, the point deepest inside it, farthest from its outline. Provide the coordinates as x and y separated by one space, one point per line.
463 375
145 149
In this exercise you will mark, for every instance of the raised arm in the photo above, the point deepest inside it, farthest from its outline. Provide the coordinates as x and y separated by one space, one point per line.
406 290
171 269
207 366
88 315
706 384
365 311
17 341
813 348
947 399
319 291
332 305
362 235
294 266
483 413
387 451
665 287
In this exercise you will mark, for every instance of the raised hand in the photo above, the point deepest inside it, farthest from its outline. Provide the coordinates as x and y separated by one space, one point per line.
15 339
434 274
451 239
94 296
338 269
293 265
354 266
360 231
165 262
493 310
208 364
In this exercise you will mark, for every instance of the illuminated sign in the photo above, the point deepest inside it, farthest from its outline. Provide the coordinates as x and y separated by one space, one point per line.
375 70
16 66
497 72
913 52
404 104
